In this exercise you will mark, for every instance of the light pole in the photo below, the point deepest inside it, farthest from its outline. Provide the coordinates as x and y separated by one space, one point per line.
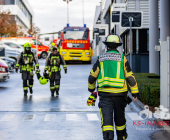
67 10
83 10
131 20
53 31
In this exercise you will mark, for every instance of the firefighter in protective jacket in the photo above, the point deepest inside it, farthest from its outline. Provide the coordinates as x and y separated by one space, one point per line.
52 64
52 46
25 62
113 73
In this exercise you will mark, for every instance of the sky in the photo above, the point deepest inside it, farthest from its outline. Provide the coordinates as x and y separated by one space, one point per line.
51 15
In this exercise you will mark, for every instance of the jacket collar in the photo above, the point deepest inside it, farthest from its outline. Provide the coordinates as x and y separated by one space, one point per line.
113 50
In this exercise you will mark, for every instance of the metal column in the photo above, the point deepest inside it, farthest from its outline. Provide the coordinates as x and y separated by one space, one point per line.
153 36
131 20
164 19
137 41
137 7
165 72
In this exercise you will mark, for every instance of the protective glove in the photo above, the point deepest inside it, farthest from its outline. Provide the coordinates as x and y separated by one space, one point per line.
92 99
31 72
37 71
65 71
46 76
135 95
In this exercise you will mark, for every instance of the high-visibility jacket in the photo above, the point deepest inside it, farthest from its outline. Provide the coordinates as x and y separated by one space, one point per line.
26 61
53 63
113 73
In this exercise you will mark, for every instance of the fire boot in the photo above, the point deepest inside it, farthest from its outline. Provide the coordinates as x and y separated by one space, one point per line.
31 91
25 92
52 94
57 93
122 138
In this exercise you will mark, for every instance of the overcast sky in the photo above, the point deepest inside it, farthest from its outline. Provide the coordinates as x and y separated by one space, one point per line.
49 13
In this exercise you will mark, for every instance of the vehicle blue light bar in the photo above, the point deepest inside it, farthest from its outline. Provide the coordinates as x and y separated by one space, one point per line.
67 24
84 25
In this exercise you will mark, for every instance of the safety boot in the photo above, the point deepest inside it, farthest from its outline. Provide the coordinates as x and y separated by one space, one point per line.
123 138
52 94
57 93
31 91
25 92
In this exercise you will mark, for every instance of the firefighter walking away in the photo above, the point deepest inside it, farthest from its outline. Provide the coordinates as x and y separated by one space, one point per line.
52 65
26 62
113 73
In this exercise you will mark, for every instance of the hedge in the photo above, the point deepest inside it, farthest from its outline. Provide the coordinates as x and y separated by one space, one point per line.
149 88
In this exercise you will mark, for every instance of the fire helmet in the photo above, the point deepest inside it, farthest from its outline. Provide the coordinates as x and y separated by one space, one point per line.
27 47
43 80
113 41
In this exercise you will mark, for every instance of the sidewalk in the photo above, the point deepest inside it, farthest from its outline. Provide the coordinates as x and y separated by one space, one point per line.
144 128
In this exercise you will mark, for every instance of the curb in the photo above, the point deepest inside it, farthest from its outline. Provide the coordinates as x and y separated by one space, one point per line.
141 106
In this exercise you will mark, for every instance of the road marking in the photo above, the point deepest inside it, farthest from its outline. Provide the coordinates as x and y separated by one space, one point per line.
50 117
29 118
134 116
92 117
7 118
71 117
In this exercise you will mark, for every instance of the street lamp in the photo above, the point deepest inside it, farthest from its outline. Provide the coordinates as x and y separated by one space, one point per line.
53 31
67 10
83 10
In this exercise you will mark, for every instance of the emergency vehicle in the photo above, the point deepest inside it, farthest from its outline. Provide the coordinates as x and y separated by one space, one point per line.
42 50
75 44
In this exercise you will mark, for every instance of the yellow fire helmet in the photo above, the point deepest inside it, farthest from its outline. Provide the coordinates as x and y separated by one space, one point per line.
27 45
43 80
113 41
52 44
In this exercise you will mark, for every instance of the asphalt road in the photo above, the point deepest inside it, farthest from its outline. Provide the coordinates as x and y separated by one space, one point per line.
67 117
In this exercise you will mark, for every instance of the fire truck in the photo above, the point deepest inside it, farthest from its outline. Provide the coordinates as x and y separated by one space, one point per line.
75 44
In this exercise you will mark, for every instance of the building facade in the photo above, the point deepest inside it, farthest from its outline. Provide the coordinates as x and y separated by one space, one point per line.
141 40
21 11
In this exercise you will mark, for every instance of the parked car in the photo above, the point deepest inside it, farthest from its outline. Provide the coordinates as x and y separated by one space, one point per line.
42 50
14 46
10 62
4 72
19 47
11 53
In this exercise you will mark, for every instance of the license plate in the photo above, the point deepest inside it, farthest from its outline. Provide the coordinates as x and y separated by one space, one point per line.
75 58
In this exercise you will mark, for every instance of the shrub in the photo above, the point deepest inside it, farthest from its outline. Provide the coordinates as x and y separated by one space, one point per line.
149 88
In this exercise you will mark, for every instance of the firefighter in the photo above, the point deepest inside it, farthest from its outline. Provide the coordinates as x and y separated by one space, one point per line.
52 64
25 62
113 73
52 46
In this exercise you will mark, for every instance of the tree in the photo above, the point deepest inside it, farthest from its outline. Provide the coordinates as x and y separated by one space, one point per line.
8 25
33 30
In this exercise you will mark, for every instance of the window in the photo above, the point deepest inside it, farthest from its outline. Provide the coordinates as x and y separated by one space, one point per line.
8 2
24 10
34 42
147 40
82 35
12 45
